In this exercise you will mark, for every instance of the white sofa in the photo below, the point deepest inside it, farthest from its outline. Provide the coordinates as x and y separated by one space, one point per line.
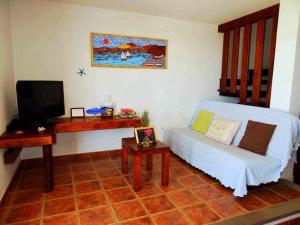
232 166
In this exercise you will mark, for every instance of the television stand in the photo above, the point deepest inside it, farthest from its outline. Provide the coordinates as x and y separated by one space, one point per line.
17 124
15 141
31 137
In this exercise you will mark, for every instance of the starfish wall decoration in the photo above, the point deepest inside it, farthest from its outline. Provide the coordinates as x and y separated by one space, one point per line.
81 72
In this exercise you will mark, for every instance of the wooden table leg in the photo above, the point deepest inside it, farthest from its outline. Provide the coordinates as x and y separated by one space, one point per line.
124 160
149 161
165 167
137 172
48 167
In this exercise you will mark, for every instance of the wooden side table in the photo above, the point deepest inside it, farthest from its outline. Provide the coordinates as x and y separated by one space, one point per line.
129 144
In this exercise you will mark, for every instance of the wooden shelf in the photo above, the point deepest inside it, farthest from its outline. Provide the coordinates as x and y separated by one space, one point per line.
67 124
249 82
263 93
29 138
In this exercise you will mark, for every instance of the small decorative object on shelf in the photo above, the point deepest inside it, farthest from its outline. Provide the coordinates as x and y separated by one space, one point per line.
41 129
94 111
77 112
145 136
127 113
107 111
107 107
19 132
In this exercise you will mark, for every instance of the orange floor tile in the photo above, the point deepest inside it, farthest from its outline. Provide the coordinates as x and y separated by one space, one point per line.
91 190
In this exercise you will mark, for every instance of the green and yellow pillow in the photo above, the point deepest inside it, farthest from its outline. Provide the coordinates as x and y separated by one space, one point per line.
203 121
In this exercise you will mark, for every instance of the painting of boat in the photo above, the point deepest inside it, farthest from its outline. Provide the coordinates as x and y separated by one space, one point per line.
128 55
123 56
108 50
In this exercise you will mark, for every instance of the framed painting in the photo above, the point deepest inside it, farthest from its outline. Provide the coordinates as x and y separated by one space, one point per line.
143 132
109 50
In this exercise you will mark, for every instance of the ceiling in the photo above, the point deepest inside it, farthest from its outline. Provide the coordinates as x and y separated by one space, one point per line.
202 11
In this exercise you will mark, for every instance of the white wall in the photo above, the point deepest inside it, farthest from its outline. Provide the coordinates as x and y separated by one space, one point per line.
285 56
295 97
7 89
51 40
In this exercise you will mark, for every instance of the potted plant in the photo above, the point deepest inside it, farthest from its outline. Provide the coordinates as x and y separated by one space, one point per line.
145 121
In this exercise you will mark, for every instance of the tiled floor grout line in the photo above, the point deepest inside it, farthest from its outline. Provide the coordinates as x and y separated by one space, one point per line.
138 198
208 205
168 198
43 209
199 201
146 210
180 208
152 180
152 196
153 214
111 202
176 207
134 219
75 198
214 211
221 218
136 195
10 203
56 215
106 197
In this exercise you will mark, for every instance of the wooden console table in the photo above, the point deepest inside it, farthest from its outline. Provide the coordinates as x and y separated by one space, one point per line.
30 138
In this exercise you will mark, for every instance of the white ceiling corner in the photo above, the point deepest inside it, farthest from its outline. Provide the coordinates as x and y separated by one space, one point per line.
200 11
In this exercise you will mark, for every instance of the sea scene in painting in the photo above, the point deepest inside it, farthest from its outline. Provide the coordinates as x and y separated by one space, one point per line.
125 51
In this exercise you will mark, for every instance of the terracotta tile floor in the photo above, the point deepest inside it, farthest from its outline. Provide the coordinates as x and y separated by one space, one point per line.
91 190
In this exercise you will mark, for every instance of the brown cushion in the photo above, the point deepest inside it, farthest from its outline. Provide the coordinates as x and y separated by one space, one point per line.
257 137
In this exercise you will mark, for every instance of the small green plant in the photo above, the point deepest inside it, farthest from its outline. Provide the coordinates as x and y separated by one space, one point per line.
145 119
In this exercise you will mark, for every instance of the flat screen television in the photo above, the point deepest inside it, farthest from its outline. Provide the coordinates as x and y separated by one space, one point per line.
39 101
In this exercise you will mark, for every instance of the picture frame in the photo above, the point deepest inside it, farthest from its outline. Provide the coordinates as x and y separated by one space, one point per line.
124 51
77 112
140 134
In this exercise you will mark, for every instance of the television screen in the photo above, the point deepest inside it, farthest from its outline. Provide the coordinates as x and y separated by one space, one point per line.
40 100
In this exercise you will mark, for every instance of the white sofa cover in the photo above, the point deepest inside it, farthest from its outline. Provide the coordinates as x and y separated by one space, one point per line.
232 166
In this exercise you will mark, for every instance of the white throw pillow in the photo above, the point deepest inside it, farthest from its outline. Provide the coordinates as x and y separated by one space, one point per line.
223 130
